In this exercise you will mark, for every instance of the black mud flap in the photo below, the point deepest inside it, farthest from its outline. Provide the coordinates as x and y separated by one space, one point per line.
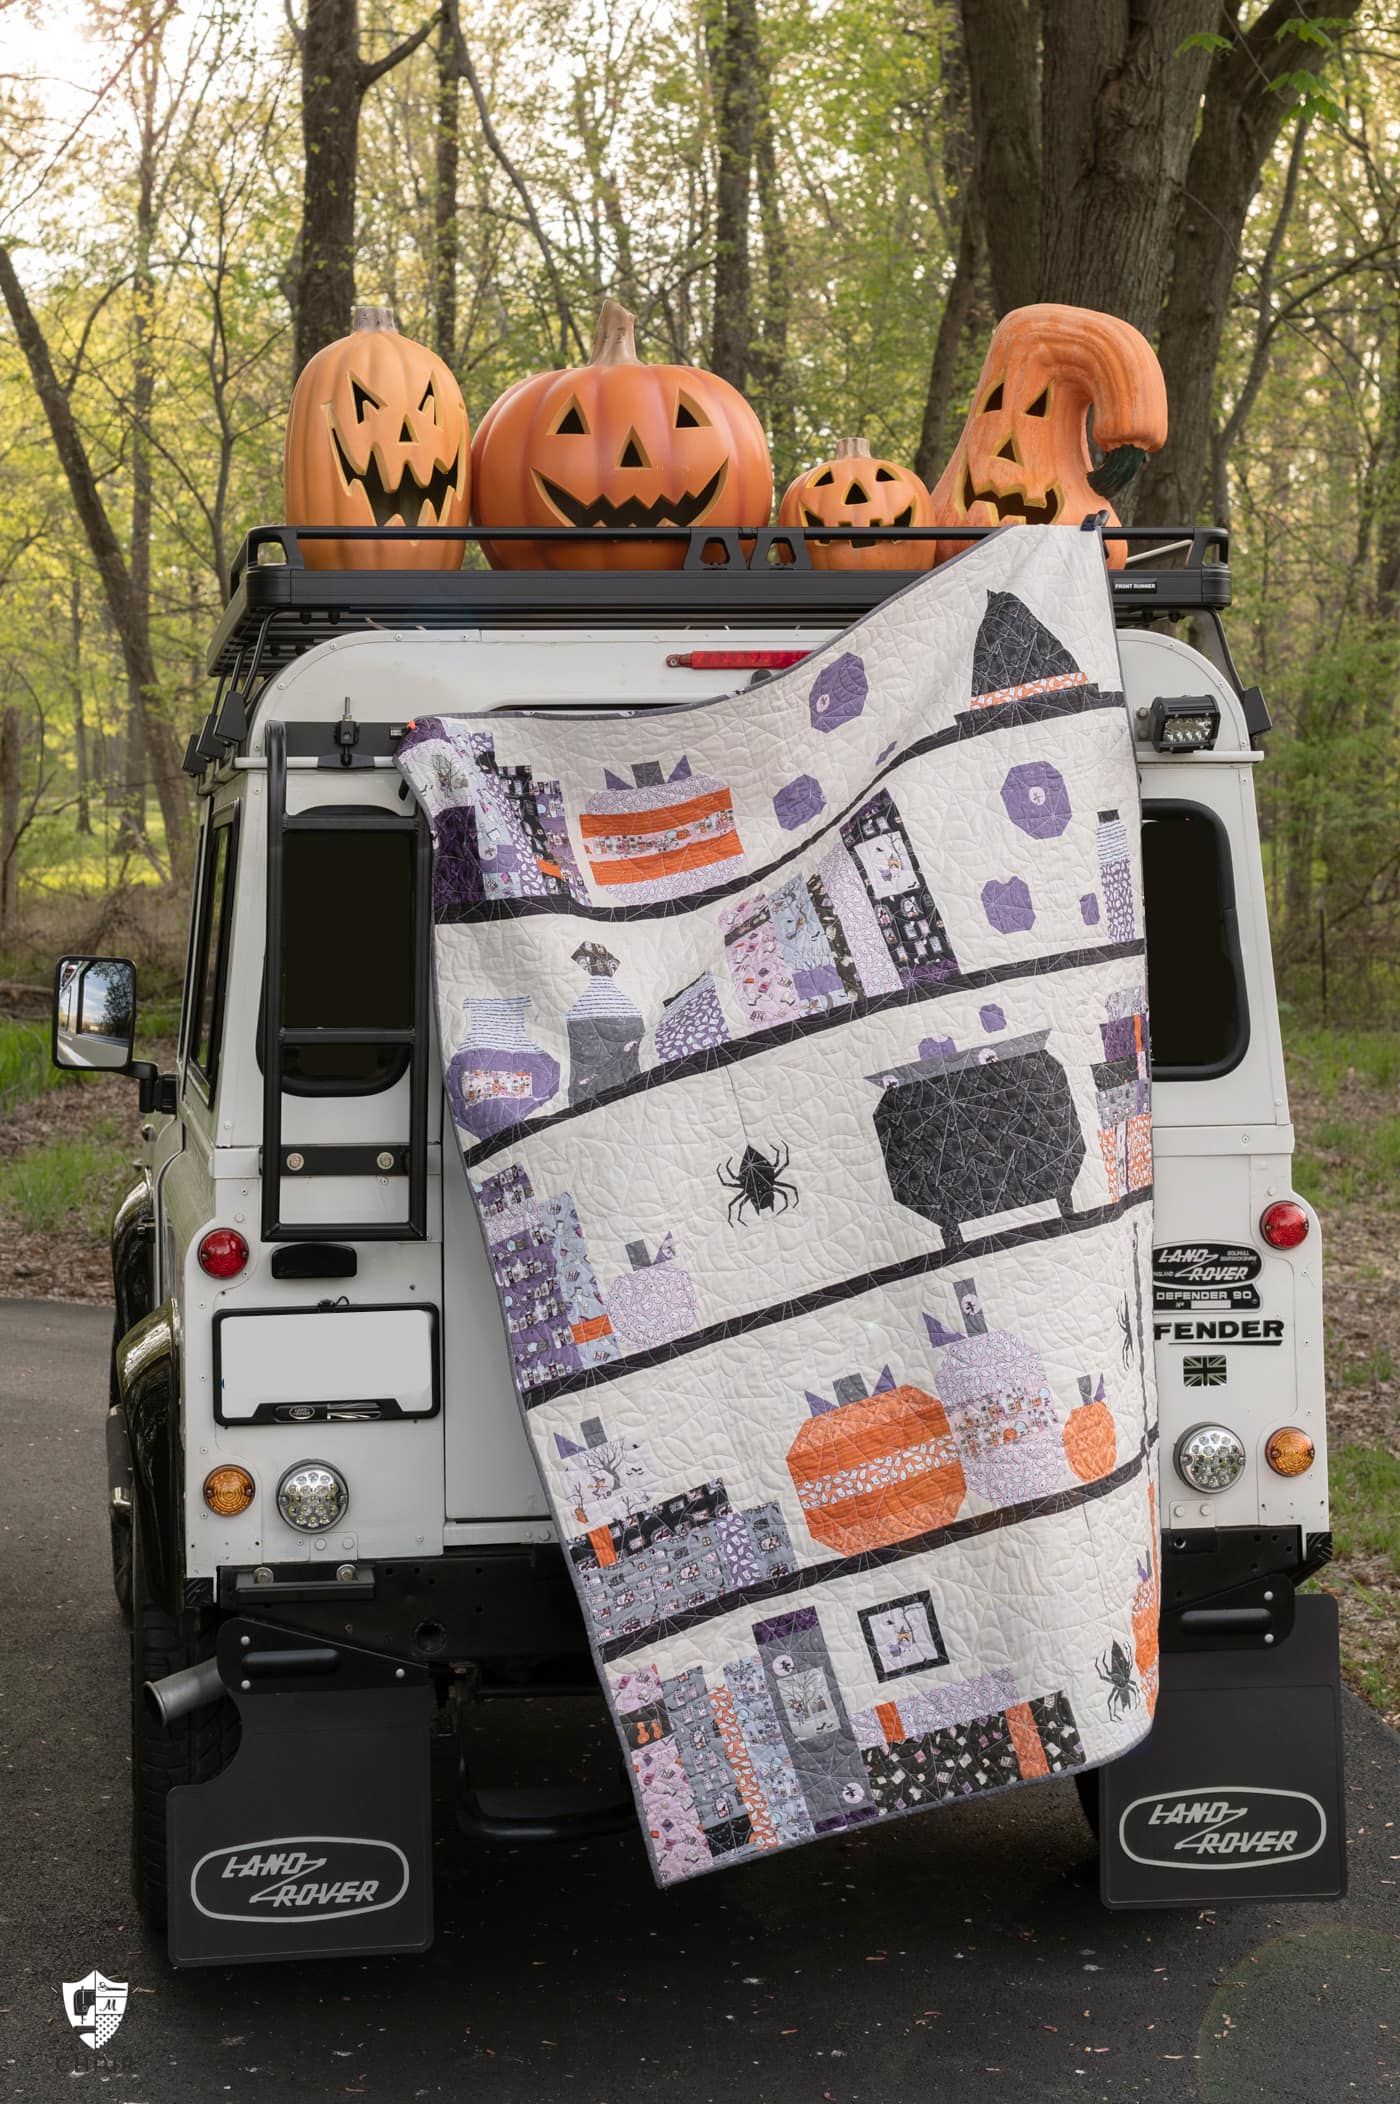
316 1840
1236 1794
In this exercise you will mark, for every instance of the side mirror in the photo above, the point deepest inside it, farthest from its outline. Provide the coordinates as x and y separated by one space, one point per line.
94 1013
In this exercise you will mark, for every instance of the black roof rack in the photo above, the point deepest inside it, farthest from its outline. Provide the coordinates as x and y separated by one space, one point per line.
278 608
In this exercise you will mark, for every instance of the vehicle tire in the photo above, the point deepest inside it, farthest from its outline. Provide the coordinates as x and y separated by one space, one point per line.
118 1521
1088 1788
194 1750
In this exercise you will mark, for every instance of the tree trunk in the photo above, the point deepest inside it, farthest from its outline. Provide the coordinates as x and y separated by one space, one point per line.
1119 98
133 633
1000 40
80 740
140 699
9 816
1241 120
958 307
771 351
446 159
732 44
330 130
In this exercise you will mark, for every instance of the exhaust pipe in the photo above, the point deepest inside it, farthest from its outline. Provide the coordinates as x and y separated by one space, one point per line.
192 1688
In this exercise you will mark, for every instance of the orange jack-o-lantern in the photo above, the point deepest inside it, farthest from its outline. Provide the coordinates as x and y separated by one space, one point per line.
855 489
1024 451
617 443
377 435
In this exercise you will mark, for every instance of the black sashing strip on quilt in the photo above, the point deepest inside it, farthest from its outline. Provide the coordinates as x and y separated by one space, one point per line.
778 1034
1006 715
874 1559
830 1296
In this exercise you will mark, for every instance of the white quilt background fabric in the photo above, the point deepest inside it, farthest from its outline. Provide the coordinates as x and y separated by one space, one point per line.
797 1047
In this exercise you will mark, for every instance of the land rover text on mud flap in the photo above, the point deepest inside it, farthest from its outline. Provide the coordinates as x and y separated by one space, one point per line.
327 1529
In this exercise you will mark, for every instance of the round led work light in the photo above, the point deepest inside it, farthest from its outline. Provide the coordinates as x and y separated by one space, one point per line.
1210 1458
312 1496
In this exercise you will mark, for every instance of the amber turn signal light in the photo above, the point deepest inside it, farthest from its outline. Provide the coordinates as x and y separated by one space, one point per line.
1290 1452
228 1490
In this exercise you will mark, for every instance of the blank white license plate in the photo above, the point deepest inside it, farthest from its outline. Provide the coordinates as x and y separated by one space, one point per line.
345 1364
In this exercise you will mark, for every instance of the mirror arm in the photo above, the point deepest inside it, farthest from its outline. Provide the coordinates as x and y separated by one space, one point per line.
157 1090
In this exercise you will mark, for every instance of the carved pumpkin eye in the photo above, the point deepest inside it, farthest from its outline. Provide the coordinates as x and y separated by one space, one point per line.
884 475
430 402
571 424
995 399
822 480
1041 405
363 400
689 416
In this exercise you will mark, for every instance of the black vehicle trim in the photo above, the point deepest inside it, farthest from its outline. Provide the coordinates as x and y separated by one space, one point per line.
148 1386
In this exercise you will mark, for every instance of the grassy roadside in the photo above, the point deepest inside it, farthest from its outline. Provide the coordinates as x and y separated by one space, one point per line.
66 1144
1345 1088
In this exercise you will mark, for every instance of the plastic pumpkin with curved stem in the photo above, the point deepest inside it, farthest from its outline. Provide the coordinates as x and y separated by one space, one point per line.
617 443
377 435
1023 455
855 489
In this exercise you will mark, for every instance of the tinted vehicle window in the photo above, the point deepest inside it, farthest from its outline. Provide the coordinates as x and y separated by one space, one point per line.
1195 983
347 951
211 953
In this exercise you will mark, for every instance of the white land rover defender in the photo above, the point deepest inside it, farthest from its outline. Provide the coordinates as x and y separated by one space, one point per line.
326 1523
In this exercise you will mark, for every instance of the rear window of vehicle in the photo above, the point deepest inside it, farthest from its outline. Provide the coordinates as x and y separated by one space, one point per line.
1195 978
347 954
211 952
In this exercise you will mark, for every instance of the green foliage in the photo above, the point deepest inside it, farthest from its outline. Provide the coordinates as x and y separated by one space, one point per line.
47 1188
1329 1059
1364 1485
25 1068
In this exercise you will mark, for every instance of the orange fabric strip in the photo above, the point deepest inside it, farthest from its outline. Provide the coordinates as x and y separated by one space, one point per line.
593 824
586 1332
891 1723
1026 1739
601 1538
640 869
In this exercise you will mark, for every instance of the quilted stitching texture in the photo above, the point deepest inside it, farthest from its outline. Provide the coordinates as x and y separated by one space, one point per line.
796 1044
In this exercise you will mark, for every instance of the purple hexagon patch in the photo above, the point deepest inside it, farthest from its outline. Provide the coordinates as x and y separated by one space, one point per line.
992 1017
838 692
798 801
1036 799
1008 905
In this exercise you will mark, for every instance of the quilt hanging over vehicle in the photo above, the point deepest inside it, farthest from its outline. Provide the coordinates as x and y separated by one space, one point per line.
797 1047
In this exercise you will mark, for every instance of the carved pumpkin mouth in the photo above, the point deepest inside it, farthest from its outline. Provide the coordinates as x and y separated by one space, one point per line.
665 511
1013 503
901 518
388 503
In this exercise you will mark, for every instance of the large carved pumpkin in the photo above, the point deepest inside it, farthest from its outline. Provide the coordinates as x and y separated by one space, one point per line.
617 443
1024 451
377 435
855 489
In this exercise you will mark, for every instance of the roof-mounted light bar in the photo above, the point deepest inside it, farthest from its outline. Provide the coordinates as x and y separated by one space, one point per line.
1183 723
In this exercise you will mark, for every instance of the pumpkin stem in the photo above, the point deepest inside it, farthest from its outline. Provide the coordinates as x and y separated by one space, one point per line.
374 318
853 449
614 339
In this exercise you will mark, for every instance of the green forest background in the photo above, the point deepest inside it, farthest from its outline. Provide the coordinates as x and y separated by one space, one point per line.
830 201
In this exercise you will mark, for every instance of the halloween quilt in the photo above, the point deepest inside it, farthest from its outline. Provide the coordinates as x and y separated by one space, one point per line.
797 1048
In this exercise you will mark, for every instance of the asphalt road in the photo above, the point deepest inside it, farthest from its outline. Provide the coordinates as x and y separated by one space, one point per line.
963 1956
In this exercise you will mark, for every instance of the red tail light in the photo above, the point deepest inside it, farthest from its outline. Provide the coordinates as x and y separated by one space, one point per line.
1284 1224
737 660
222 1252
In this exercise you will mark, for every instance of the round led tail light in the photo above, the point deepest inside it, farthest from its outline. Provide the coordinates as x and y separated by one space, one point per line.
222 1252
1289 1451
1284 1224
1210 1458
312 1496
228 1490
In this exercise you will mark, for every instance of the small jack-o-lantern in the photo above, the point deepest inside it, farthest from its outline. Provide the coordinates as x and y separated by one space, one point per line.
377 435
1024 456
617 443
855 489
